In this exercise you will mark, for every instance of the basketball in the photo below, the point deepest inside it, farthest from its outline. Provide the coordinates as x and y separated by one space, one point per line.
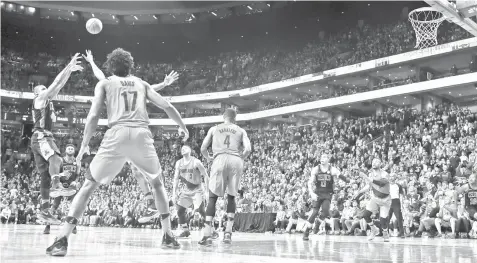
94 26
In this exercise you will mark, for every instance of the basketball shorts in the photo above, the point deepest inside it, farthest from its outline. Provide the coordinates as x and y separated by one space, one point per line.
225 174
188 198
379 205
121 144
43 147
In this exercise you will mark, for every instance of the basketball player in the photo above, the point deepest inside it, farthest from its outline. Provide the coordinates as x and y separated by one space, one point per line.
68 181
151 212
128 139
380 198
321 186
189 170
46 153
470 195
230 145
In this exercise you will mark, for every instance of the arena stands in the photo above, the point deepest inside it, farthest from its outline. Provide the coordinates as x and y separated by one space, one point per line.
424 150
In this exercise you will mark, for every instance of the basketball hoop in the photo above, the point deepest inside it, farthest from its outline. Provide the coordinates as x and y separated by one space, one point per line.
425 22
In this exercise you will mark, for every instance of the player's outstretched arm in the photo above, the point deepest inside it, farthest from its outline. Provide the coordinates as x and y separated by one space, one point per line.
206 143
247 146
93 117
96 71
170 110
168 80
61 79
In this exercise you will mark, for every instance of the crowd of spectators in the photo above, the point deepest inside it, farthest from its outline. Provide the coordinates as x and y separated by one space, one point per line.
237 70
427 152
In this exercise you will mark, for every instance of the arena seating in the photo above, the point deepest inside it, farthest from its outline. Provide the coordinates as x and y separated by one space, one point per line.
237 70
425 150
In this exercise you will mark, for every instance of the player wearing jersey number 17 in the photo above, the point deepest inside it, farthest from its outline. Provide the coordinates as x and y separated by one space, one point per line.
230 145
151 211
128 139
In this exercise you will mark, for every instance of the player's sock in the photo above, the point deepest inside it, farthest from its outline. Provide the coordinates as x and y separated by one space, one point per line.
208 226
166 224
230 222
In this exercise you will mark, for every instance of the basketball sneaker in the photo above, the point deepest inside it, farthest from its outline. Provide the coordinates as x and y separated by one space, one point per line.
150 215
386 236
227 238
215 235
59 247
169 241
59 190
205 241
47 217
47 230
185 234
306 234
373 233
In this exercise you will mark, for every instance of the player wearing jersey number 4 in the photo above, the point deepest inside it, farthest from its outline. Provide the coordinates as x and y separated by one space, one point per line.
230 145
191 193
128 139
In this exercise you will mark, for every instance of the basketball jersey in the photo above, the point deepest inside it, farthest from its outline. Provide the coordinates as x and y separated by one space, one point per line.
43 118
189 173
380 191
227 138
323 180
69 165
471 197
126 99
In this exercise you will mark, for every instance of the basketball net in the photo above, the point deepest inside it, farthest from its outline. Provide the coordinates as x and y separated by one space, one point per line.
425 22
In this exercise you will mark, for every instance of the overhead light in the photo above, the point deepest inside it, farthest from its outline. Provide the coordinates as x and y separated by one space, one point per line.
113 16
268 5
193 16
249 7
135 17
22 7
213 13
92 14
31 9
155 17
72 13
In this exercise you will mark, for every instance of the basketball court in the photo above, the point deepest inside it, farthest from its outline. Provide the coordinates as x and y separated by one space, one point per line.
26 243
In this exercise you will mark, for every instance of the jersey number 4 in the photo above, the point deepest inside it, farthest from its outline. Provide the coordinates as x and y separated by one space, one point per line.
227 141
127 100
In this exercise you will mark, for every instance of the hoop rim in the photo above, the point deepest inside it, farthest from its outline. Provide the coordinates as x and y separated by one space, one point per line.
426 8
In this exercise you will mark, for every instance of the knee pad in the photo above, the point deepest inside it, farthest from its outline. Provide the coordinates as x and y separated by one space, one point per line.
45 180
367 216
211 205
231 204
181 213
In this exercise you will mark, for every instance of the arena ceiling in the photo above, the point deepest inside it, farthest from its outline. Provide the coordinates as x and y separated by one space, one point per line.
133 7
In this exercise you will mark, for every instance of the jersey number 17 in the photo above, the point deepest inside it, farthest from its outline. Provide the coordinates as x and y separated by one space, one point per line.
127 100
